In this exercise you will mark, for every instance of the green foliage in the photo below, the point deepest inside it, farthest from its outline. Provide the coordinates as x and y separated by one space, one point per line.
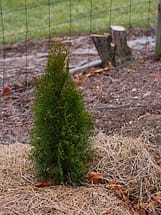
62 127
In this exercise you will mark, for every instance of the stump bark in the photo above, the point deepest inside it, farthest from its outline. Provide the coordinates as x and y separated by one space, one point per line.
104 48
112 47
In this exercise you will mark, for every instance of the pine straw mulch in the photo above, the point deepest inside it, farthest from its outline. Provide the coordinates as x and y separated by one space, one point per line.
131 168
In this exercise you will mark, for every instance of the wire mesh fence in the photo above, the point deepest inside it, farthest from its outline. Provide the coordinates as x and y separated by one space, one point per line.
22 23
34 19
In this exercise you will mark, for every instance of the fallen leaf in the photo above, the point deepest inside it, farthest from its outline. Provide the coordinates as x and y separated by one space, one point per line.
93 71
43 184
134 150
6 90
116 186
95 178
141 209
119 191
111 212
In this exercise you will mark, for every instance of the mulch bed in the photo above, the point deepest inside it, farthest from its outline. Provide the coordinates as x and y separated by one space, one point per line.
126 106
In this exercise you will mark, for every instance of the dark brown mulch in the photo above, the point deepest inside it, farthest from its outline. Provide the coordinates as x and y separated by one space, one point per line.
126 100
123 100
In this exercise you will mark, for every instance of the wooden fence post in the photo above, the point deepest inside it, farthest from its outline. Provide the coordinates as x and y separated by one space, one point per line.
158 34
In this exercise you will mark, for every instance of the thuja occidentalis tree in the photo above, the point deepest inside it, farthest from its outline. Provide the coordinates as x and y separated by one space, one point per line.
62 128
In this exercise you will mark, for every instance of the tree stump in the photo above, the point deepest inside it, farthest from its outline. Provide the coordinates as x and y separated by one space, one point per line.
104 48
112 47
122 51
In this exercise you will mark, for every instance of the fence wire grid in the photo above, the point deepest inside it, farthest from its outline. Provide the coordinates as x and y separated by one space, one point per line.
22 23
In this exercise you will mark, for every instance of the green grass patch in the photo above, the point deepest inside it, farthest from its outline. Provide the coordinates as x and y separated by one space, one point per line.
34 19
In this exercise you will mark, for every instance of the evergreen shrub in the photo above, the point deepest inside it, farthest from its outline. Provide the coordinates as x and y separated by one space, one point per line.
60 138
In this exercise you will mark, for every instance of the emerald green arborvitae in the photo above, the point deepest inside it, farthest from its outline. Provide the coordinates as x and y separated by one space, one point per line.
60 137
